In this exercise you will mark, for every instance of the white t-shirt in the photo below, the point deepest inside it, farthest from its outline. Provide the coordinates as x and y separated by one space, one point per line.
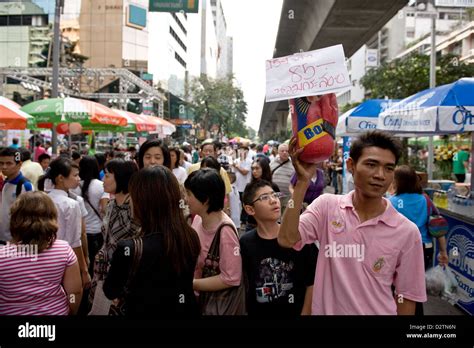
242 180
8 196
186 165
95 193
180 174
235 206
69 217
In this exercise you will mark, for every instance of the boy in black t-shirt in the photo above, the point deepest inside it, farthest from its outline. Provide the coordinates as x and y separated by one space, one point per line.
280 280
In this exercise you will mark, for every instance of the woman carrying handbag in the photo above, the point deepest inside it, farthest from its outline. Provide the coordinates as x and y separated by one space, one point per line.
218 276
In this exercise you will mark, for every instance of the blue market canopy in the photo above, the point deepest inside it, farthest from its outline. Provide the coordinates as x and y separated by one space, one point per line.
363 117
440 110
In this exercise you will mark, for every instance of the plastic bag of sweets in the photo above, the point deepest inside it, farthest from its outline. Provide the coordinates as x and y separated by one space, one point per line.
314 121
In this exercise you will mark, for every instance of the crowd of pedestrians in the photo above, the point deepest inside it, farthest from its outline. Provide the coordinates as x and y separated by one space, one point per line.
220 229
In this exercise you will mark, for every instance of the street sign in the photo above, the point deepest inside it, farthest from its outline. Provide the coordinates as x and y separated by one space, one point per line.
455 3
147 77
189 6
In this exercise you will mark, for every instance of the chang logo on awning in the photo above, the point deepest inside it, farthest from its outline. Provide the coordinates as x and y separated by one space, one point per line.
367 125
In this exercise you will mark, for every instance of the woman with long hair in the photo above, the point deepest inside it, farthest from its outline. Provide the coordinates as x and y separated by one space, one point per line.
261 170
410 201
91 189
43 277
163 282
118 223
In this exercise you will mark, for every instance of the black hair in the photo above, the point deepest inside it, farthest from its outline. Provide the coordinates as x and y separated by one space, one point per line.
25 154
75 155
207 186
122 171
259 148
178 155
211 162
15 141
39 143
375 138
100 157
266 171
251 189
154 143
88 170
59 166
407 181
11 152
43 156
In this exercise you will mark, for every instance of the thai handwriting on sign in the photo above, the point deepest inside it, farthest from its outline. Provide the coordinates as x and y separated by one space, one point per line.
305 78
277 62
307 73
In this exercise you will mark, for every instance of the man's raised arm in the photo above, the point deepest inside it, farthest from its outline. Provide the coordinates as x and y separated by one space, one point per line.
289 234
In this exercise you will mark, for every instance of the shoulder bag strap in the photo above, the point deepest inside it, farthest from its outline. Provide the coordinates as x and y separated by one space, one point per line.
19 186
93 208
430 207
281 164
214 252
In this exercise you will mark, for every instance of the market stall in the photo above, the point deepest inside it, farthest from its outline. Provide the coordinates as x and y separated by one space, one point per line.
445 109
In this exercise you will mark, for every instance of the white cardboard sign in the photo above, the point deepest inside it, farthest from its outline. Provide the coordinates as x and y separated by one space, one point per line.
303 74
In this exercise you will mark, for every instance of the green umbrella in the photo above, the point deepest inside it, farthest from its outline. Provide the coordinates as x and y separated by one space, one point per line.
49 112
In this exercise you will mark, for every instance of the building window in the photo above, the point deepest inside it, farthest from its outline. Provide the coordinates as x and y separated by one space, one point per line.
26 20
180 60
178 40
410 33
179 23
3 21
14 20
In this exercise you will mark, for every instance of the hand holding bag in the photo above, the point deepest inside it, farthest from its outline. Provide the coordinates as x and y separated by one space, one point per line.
230 301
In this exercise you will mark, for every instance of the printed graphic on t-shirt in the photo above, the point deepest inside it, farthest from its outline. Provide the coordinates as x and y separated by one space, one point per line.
274 280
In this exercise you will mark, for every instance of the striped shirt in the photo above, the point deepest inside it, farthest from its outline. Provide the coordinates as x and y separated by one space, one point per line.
31 283
282 177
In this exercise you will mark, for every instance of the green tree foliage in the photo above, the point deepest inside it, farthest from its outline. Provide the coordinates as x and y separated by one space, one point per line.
404 77
346 107
219 102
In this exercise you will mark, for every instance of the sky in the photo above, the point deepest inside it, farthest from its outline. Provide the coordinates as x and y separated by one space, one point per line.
253 24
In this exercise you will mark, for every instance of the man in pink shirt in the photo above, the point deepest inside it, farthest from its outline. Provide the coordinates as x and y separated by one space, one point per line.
366 246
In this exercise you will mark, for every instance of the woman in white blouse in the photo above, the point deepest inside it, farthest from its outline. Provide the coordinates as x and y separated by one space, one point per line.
179 172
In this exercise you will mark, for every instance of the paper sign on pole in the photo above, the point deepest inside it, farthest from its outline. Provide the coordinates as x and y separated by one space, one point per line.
302 74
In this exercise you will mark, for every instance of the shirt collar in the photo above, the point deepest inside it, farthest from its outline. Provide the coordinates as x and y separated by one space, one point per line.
58 192
388 217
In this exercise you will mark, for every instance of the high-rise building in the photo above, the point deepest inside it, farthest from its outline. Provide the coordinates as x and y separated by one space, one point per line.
168 56
220 26
23 33
114 33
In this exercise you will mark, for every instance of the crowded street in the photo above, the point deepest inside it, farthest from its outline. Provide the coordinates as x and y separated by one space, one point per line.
159 160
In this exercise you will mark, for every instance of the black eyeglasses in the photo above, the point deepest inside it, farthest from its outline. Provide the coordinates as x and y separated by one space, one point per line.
267 196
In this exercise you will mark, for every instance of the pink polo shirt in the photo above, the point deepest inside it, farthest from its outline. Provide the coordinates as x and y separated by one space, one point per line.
358 262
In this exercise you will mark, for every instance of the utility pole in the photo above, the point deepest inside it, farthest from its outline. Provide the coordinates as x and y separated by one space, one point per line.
56 48
432 85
